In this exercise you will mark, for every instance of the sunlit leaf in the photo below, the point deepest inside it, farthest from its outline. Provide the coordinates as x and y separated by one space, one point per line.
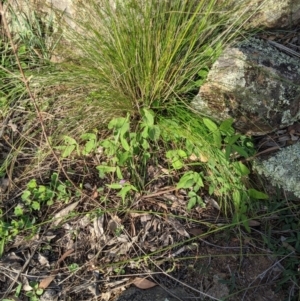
177 163
258 195
210 125
154 132
89 146
115 186
182 153
125 144
36 205
191 203
226 127
148 117
88 136
68 150
240 151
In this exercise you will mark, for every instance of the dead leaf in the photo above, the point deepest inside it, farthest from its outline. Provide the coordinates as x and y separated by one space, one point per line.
105 296
212 202
165 171
95 194
178 227
134 214
123 238
84 222
175 205
13 126
117 283
143 283
254 223
12 257
288 246
170 197
193 157
162 205
185 248
48 236
203 158
247 240
145 218
195 231
64 256
121 249
46 281
88 186
114 223
59 216
98 226
26 287
43 260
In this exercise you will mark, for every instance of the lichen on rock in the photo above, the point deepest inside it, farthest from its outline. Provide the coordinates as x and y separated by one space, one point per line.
254 83
283 169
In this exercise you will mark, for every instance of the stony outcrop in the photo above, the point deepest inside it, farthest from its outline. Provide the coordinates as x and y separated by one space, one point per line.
272 13
282 169
265 13
259 86
256 84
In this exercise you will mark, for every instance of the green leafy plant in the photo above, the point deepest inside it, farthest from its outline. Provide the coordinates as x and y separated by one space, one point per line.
128 149
10 228
36 194
120 271
123 187
68 146
213 153
177 157
192 180
91 143
34 197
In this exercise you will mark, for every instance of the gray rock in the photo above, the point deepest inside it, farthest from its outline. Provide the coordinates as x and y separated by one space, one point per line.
267 13
271 13
254 83
283 169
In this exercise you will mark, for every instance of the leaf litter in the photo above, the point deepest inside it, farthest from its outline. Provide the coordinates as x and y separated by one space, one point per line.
156 236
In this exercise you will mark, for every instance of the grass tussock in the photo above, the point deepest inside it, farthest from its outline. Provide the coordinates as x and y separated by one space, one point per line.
141 53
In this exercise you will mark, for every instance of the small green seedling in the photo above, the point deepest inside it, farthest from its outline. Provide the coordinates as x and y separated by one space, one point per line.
35 293
193 181
73 267
124 187
68 146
